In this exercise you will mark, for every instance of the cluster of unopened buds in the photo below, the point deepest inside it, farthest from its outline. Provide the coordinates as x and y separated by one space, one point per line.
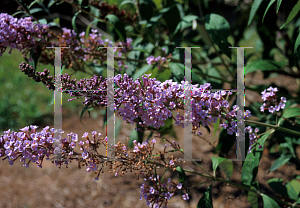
270 100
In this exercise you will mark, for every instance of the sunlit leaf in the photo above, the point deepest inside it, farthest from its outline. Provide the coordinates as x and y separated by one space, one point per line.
268 202
254 8
293 13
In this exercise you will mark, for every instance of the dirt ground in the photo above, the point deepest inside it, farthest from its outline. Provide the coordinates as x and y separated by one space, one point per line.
71 187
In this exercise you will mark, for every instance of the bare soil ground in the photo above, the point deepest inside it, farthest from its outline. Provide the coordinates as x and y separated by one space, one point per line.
75 188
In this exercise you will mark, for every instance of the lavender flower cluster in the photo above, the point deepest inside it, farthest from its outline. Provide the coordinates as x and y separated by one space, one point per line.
270 101
30 146
152 100
33 147
23 34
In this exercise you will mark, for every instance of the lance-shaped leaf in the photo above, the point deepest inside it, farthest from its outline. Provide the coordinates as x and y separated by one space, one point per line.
181 174
254 8
264 65
293 13
206 200
253 197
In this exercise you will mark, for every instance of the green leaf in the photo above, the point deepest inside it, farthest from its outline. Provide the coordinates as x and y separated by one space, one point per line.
262 139
176 150
293 189
297 50
133 136
227 167
268 202
206 199
159 15
74 24
19 12
177 68
189 18
35 10
180 10
293 13
168 129
254 8
57 20
288 113
278 5
264 65
291 112
89 111
32 3
216 161
270 4
280 161
181 174
51 3
181 26
43 21
250 168
82 112
118 26
252 197
288 146
216 126
87 31
141 71
126 2
276 185
34 56
218 29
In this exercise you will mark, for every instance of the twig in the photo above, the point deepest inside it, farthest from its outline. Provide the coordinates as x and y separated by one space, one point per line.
27 12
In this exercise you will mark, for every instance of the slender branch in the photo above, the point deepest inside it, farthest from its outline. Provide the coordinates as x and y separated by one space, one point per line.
27 12
279 128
